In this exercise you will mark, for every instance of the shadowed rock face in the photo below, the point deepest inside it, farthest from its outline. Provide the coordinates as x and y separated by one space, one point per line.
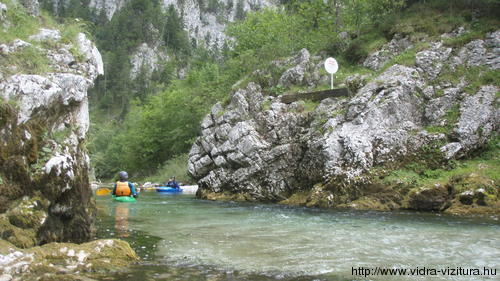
258 148
44 189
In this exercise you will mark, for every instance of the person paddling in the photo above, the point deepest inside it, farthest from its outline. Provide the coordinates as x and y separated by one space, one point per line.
123 187
172 183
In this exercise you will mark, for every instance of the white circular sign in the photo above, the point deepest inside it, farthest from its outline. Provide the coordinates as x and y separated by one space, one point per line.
331 65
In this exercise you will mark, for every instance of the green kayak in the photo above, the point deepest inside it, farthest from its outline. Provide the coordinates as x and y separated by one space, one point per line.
124 198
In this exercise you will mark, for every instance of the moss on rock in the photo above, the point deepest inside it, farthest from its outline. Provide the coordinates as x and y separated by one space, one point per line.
383 200
224 196
457 208
22 238
367 203
66 259
318 196
429 198
297 199
28 212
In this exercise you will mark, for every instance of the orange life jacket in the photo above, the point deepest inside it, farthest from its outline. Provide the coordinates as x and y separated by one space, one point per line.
122 188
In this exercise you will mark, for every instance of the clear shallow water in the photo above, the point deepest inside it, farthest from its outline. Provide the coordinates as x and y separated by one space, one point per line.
180 237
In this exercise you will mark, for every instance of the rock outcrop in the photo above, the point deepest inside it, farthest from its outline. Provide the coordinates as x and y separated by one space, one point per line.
147 60
44 189
327 154
32 7
304 70
397 45
64 260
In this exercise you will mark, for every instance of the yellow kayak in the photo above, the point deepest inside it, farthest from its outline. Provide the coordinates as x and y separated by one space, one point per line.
102 191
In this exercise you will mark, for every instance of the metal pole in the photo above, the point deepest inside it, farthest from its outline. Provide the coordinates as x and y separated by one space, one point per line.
331 81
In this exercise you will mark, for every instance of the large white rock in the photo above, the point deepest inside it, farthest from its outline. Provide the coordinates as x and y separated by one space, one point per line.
92 55
45 34
479 117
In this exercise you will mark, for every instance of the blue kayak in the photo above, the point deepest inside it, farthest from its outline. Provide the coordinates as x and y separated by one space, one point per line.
168 189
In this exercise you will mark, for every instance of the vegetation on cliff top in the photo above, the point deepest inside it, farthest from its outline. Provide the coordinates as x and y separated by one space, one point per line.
32 59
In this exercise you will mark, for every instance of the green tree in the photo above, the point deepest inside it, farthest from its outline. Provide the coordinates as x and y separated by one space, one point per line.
240 11
174 34
61 9
360 13
213 6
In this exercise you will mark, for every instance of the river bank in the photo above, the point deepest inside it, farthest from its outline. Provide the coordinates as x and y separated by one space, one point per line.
469 188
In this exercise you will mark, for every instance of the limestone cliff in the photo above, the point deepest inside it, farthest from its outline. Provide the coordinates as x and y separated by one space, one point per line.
204 19
44 189
332 154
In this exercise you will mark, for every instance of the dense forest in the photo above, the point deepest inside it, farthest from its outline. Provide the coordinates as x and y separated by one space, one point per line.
146 125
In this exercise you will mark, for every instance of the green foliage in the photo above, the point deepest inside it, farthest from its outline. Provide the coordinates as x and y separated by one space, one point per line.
28 60
273 33
309 105
174 34
240 12
450 118
213 6
24 24
176 166
479 76
266 105
363 45
31 59
70 29
474 76
474 34
407 57
165 126
485 163
362 13
442 16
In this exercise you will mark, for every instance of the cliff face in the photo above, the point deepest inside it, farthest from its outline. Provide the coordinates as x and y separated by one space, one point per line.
203 19
331 154
44 189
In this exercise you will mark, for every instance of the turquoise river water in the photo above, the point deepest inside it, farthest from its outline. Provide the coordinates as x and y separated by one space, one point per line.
180 237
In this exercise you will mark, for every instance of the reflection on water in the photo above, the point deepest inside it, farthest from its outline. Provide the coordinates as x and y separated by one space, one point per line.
121 220
182 237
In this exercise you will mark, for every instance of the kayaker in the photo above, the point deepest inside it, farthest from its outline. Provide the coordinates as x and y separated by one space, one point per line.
172 183
124 187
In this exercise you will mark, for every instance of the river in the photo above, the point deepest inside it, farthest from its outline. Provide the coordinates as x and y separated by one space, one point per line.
180 237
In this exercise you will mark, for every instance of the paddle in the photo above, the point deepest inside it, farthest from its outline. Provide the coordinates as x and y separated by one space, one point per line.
102 191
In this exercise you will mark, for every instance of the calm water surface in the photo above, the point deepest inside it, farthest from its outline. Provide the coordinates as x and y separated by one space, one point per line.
180 237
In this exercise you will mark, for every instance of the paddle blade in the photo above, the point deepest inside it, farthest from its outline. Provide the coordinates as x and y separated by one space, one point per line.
102 191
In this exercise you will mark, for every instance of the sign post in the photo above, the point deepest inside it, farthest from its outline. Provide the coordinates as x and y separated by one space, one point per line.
331 66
